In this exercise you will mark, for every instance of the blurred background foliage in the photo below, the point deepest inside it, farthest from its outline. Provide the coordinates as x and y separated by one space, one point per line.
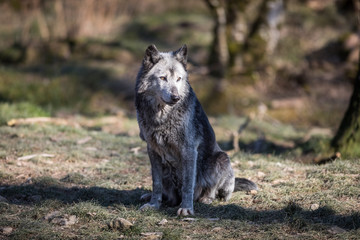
293 61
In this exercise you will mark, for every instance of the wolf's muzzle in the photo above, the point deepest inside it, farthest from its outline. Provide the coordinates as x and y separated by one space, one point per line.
175 98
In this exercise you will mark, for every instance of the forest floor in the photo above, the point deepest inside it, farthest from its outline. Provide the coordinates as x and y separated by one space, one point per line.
82 178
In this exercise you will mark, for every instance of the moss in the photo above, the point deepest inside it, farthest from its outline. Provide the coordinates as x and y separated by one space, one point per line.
46 181
13 54
76 178
255 52
10 111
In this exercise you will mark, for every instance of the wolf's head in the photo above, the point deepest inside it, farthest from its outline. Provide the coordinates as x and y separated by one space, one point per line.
163 76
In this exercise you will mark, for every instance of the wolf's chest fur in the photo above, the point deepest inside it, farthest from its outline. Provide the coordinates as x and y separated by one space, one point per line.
164 133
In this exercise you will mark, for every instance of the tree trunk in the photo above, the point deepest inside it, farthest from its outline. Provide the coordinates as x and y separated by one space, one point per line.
244 33
219 55
347 138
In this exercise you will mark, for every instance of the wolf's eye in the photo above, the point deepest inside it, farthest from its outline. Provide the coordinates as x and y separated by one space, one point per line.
179 78
163 78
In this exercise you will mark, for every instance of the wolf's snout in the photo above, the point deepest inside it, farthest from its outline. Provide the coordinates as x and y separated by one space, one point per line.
175 98
174 95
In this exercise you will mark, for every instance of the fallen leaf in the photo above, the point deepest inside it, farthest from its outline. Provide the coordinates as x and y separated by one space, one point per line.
64 220
135 150
84 140
120 223
6 230
152 235
278 181
163 222
91 149
260 174
216 229
91 214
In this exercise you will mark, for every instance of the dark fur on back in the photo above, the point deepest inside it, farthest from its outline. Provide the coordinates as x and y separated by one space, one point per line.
186 162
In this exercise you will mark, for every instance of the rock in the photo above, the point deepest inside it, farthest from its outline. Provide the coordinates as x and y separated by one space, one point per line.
163 222
6 230
336 230
71 220
120 223
3 199
253 192
314 206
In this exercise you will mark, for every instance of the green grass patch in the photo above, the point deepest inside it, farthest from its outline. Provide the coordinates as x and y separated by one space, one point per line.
10 111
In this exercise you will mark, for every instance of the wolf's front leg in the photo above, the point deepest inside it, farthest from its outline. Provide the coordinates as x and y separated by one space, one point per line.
188 182
156 172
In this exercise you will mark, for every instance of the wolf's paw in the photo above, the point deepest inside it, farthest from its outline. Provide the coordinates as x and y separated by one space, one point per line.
185 211
149 206
146 197
206 200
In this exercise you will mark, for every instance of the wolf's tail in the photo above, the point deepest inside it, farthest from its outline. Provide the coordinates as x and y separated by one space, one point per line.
243 184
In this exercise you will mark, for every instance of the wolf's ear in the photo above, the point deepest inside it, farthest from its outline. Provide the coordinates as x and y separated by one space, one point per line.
181 55
152 56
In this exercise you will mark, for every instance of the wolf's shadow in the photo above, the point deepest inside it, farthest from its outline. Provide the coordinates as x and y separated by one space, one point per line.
30 194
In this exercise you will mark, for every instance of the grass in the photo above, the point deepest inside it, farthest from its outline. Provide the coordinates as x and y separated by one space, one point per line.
102 179
9 111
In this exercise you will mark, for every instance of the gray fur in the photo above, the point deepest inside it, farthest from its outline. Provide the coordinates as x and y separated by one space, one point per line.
186 162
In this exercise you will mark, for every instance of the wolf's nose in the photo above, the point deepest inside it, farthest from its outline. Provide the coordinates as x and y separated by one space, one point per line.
175 98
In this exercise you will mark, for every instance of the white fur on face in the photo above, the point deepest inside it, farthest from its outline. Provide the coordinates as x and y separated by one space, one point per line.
168 74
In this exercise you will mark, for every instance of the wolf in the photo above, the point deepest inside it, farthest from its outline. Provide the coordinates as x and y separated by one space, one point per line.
187 164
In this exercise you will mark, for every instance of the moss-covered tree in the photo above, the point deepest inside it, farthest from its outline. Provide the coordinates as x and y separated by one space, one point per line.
347 138
244 33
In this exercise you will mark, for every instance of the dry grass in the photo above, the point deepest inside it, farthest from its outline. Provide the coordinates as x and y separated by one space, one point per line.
98 176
